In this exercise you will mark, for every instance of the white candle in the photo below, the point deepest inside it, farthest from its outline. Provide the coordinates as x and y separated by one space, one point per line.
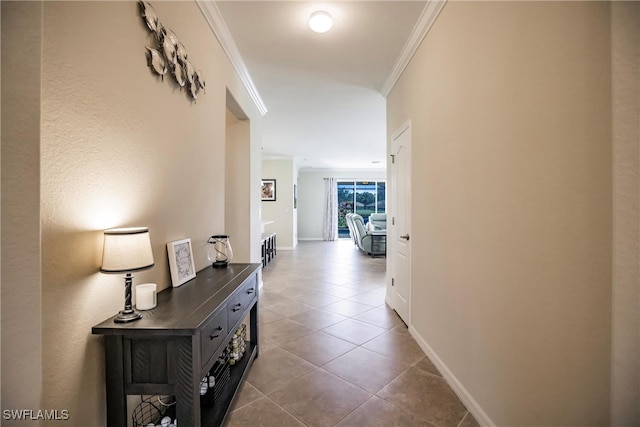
146 296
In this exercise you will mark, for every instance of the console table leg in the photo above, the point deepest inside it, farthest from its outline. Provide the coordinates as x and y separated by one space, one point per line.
186 384
116 398
253 326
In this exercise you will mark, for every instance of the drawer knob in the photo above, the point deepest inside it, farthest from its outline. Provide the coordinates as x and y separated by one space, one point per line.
236 307
250 291
219 330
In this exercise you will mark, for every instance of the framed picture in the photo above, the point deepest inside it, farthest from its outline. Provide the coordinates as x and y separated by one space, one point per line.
268 190
295 196
181 261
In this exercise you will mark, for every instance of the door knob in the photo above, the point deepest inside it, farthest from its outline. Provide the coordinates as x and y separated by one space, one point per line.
405 237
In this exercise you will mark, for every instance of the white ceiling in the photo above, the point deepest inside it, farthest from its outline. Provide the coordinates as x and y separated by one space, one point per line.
323 92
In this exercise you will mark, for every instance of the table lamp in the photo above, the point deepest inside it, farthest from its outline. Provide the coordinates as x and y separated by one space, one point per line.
127 250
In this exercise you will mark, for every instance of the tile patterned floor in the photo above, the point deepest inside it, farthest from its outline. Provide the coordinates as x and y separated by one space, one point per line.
333 354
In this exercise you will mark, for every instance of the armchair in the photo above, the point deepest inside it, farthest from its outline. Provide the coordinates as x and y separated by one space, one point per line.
352 231
378 221
364 238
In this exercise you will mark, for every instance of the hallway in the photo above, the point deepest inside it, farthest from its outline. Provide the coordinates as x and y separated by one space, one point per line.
332 353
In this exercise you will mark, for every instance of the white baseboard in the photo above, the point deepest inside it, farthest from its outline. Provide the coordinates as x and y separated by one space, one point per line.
311 239
285 248
466 398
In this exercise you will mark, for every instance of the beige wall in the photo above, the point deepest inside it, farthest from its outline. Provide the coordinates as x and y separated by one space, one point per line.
118 147
511 124
21 298
281 212
237 185
625 54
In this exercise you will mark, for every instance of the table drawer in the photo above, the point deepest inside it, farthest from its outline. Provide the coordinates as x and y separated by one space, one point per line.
249 289
240 301
213 333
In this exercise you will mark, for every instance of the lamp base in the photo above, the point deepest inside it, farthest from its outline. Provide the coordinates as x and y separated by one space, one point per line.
127 316
220 264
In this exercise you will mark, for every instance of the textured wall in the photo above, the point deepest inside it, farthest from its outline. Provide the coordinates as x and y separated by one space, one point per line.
512 204
117 147
21 301
625 20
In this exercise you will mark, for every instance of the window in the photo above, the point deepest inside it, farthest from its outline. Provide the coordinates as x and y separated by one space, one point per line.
360 197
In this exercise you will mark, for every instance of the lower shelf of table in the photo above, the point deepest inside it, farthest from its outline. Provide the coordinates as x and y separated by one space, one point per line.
215 415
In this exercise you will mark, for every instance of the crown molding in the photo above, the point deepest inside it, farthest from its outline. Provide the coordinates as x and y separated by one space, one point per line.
214 18
423 25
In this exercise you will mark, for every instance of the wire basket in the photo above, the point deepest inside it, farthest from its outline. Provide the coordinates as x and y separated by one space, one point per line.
151 410
220 373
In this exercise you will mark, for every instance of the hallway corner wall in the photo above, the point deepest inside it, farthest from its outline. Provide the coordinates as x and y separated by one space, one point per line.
510 104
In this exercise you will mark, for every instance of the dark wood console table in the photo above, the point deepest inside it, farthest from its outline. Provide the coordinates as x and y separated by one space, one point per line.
174 345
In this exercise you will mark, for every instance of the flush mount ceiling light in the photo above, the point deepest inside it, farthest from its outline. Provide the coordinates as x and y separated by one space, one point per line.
320 21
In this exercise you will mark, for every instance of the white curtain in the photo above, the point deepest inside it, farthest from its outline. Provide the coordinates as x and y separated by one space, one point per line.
330 228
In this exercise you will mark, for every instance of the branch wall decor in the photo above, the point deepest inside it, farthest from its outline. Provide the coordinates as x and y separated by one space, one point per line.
169 54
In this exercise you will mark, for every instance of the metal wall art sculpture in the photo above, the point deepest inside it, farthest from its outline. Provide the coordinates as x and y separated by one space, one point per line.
170 55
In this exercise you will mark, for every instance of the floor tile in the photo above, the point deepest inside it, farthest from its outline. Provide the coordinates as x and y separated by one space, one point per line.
289 308
246 395
268 298
319 398
426 365
368 298
267 316
401 348
317 299
366 369
282 331
276 368
383 317
294 292
363 286
469 421
266 345
377 412
426 396
347 308
319 367
318 347
262 413
339 291
401 329
342 280
354 331
382 290
317 319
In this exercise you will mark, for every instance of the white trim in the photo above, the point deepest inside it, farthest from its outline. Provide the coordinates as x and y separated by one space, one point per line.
466 398
285 248
423 25
214 18
406 125
311 239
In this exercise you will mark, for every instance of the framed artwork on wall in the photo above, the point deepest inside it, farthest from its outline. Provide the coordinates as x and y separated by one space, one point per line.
268 190
181 261
295 196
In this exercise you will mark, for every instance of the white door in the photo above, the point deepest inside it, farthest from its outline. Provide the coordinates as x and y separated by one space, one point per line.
401 222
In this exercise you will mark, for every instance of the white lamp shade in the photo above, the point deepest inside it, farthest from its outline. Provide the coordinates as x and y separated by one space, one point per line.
126 249
320 21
